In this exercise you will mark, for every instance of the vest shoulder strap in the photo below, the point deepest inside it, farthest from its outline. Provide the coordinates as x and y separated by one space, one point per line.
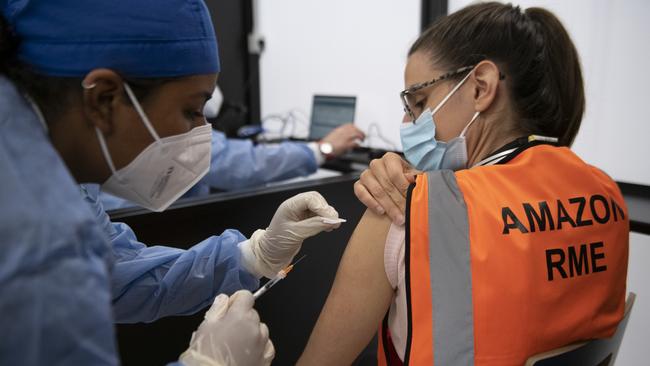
439 249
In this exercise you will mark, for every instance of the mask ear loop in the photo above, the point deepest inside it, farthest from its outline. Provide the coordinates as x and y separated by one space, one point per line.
140 111
102 142
39 113
451 93
107 155
462 134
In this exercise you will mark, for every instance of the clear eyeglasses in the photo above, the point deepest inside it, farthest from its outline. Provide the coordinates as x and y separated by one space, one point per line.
407 95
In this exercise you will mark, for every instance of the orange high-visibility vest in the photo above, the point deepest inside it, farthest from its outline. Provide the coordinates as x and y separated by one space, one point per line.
507 261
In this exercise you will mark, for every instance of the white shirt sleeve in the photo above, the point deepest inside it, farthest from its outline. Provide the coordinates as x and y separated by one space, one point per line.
395 272
313 146
394 254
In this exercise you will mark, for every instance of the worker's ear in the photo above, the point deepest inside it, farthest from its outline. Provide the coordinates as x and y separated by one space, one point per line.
485 80
103 94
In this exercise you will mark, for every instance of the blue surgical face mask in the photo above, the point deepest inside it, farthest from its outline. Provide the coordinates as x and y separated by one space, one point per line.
421 148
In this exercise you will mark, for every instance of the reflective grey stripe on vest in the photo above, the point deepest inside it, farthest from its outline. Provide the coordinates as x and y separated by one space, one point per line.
451 273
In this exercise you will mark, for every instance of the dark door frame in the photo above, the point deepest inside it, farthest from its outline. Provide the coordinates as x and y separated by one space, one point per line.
432 10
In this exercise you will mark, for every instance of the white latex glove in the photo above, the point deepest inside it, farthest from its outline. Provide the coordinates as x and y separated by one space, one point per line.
301 216
230 334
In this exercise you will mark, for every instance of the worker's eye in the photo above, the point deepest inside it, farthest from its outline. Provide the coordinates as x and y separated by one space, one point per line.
418 106
195 115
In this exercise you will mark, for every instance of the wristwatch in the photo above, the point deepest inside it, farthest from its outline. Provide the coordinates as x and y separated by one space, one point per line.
326 149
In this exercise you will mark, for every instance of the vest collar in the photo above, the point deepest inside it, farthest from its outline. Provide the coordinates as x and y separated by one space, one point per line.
510 150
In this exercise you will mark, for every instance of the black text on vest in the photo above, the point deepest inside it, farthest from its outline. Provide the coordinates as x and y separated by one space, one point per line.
575 260
555 216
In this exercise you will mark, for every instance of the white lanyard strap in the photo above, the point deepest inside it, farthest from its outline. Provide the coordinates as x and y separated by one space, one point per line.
37 110
493 159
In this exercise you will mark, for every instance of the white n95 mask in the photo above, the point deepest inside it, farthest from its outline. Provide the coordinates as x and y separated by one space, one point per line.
163 171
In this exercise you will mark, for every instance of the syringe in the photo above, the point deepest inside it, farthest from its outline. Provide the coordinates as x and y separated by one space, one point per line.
280 276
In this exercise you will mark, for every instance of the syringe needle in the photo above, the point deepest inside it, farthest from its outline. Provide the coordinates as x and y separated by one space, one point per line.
299 259
280 276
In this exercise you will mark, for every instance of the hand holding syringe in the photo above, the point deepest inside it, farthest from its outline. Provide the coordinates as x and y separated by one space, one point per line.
280 276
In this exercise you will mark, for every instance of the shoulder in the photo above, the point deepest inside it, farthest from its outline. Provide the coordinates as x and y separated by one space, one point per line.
373 226
437 183
41 208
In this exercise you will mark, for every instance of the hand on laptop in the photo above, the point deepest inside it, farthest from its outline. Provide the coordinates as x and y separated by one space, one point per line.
344 138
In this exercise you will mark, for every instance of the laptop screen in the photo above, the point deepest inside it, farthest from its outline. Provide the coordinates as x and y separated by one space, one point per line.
329 112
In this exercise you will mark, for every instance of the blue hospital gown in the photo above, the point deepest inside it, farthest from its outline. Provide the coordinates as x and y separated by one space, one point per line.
67 273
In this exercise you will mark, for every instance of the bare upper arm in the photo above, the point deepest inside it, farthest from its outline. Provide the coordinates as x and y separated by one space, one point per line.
359 298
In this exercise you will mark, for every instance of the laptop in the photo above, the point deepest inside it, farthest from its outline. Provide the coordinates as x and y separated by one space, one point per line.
329 112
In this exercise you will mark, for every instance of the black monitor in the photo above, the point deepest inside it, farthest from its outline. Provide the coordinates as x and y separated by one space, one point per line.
329 112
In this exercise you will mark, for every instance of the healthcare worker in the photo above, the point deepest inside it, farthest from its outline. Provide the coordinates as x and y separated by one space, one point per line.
114 95
238 163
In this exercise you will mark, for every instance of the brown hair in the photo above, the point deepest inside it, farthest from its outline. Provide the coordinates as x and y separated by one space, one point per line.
532 48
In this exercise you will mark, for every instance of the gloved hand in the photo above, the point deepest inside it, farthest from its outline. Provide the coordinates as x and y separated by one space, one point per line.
231 334
298 218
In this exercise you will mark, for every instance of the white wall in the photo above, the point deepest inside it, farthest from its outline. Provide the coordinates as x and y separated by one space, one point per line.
338 47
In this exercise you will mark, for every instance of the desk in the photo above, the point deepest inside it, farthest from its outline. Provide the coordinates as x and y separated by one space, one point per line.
290 309
637 199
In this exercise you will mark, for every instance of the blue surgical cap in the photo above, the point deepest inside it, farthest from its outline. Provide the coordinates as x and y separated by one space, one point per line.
138 38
